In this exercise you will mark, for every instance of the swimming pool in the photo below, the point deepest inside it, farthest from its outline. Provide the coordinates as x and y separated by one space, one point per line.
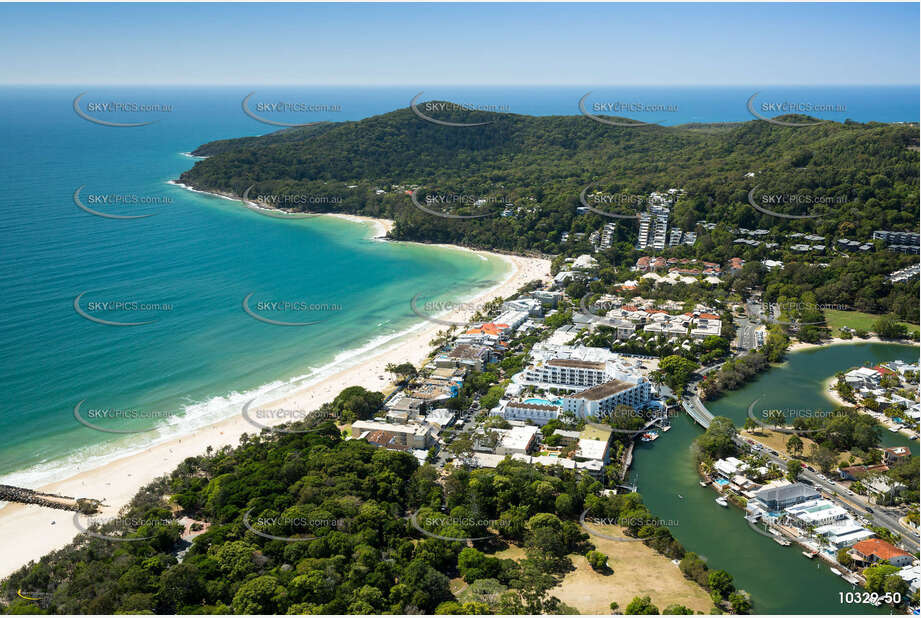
721 482
543 402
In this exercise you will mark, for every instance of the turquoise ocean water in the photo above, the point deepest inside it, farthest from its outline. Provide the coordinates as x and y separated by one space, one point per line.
196 259
201 357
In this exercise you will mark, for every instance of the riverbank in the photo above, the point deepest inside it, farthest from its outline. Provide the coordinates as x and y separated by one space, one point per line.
828 388
28 532
802 345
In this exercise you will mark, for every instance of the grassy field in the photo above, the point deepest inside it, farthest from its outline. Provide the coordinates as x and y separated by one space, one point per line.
637 570
857 320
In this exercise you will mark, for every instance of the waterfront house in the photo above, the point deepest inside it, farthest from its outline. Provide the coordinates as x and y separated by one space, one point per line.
728 467
912 575
813 513
862 377
872 551
779 497
843 533
895 455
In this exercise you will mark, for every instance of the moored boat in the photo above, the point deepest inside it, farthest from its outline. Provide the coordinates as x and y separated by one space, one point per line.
722 501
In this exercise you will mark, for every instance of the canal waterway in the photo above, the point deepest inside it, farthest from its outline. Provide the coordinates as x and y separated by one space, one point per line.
780 579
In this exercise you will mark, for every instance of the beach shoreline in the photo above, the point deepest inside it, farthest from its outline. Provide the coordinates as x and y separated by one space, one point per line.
116 481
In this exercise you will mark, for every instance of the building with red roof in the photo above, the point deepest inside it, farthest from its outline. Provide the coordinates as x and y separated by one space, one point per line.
871 551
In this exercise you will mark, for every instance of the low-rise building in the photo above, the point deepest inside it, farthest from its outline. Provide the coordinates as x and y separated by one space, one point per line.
464 355
410 436
912 575
872 551
814 513
895 455
516 440
779 497
537 413
843 533
728 467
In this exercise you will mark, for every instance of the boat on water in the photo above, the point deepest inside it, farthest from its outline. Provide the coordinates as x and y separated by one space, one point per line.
680 496
649 436
776 532
666 428
703 483
783 542
722 501
810 554
836 571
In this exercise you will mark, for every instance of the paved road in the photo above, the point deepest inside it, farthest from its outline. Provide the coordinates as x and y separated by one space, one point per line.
881 516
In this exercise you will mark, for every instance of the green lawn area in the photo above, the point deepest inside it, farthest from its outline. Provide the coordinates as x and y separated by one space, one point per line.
855 319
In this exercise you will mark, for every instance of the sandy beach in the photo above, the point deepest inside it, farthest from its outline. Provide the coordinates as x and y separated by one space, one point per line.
28 532
800 345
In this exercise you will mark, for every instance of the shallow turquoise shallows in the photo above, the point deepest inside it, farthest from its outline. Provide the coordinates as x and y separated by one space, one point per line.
197 258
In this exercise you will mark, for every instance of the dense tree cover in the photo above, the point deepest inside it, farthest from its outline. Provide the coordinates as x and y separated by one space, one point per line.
356 403
308 523
733 374
676 372
841 429
718 441
542 164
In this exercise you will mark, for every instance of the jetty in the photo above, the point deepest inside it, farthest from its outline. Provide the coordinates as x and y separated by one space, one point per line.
21 495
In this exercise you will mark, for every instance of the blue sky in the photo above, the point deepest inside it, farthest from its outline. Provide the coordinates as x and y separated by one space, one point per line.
487 44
